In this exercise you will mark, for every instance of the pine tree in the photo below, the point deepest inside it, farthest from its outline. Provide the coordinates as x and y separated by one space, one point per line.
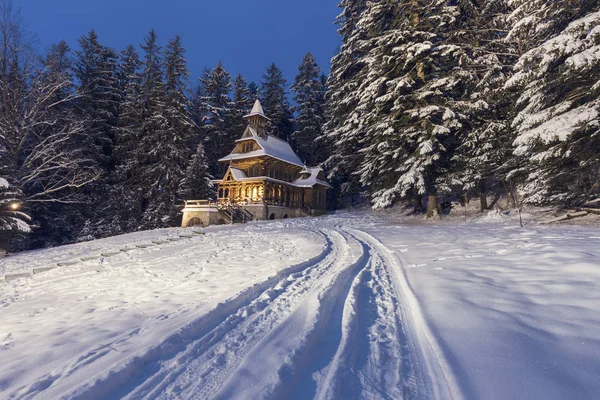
218 129
182 128
242 104
413 102
95 68
556 96
484 157
343 130
196 183
127 213
275 104
253 90
308 95
155 143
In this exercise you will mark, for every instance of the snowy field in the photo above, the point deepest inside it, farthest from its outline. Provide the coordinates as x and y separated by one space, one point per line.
349 306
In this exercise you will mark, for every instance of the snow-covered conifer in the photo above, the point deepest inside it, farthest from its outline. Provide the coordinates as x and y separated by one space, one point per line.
242 104
275 103
556 87
308 95
218 125
412 97
196 183
343 127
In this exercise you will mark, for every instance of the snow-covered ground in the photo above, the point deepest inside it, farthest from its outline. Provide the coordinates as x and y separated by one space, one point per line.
348 306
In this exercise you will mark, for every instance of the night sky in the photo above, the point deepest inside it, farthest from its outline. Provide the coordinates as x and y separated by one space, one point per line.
246 35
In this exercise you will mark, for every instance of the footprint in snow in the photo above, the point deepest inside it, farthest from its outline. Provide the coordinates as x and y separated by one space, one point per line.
416 265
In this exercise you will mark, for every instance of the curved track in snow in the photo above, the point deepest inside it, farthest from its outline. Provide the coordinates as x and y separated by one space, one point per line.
335 327
340 307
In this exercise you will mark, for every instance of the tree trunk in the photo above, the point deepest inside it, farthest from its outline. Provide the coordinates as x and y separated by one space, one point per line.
483 196
432 205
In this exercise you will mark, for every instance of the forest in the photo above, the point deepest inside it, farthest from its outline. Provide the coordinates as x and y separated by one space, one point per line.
426 102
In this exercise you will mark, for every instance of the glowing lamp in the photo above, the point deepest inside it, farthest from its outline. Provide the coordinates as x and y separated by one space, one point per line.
14 206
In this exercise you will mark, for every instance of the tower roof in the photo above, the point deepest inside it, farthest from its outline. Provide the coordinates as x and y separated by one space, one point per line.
257 110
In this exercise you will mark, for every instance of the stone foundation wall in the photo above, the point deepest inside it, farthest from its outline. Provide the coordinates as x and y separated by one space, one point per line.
260 212
265 212
202 217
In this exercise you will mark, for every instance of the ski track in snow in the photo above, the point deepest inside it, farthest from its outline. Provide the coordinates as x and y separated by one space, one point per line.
327 311
329 328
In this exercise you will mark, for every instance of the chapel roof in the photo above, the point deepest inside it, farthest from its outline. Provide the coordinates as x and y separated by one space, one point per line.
269 146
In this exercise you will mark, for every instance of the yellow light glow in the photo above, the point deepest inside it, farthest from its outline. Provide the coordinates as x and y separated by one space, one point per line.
14 206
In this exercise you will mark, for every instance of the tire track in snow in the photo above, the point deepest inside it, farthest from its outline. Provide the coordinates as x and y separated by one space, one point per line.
301 343
435 373
147 371
372 358
205 374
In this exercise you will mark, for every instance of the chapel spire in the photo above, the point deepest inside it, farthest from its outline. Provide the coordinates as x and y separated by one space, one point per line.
257 119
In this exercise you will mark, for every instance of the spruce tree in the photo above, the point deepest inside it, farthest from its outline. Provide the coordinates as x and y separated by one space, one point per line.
182 129
154 147
343 130
556 99
218 128
253 90
95 68
484 156
242 104
413 102
127 211
274 101
196 183
308 95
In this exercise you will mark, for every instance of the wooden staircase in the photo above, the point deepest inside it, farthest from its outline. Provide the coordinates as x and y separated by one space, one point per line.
234 213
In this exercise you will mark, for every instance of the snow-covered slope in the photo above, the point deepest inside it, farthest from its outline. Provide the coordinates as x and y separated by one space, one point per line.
347 306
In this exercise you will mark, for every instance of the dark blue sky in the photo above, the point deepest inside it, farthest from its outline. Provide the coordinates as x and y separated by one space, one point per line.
246 35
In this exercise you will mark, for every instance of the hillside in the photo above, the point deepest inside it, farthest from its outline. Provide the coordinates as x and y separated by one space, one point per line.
345 306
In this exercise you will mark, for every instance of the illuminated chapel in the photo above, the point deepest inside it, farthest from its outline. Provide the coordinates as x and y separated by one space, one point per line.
265 179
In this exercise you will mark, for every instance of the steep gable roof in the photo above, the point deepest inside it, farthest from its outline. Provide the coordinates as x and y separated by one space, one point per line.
311 180
269 146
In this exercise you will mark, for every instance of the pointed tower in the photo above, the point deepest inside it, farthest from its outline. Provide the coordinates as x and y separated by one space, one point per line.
257 119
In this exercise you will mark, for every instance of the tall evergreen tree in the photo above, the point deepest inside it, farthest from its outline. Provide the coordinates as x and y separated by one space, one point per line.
155 143
182 128
242 103
218 127
127 211
196 183
343 130
275 103
556 96
415 99
95 68
484 157
254 90
308 95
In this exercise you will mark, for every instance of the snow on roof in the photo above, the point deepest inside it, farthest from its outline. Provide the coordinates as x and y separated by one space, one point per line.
269 146
257 110
237 173
4 183
312 180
